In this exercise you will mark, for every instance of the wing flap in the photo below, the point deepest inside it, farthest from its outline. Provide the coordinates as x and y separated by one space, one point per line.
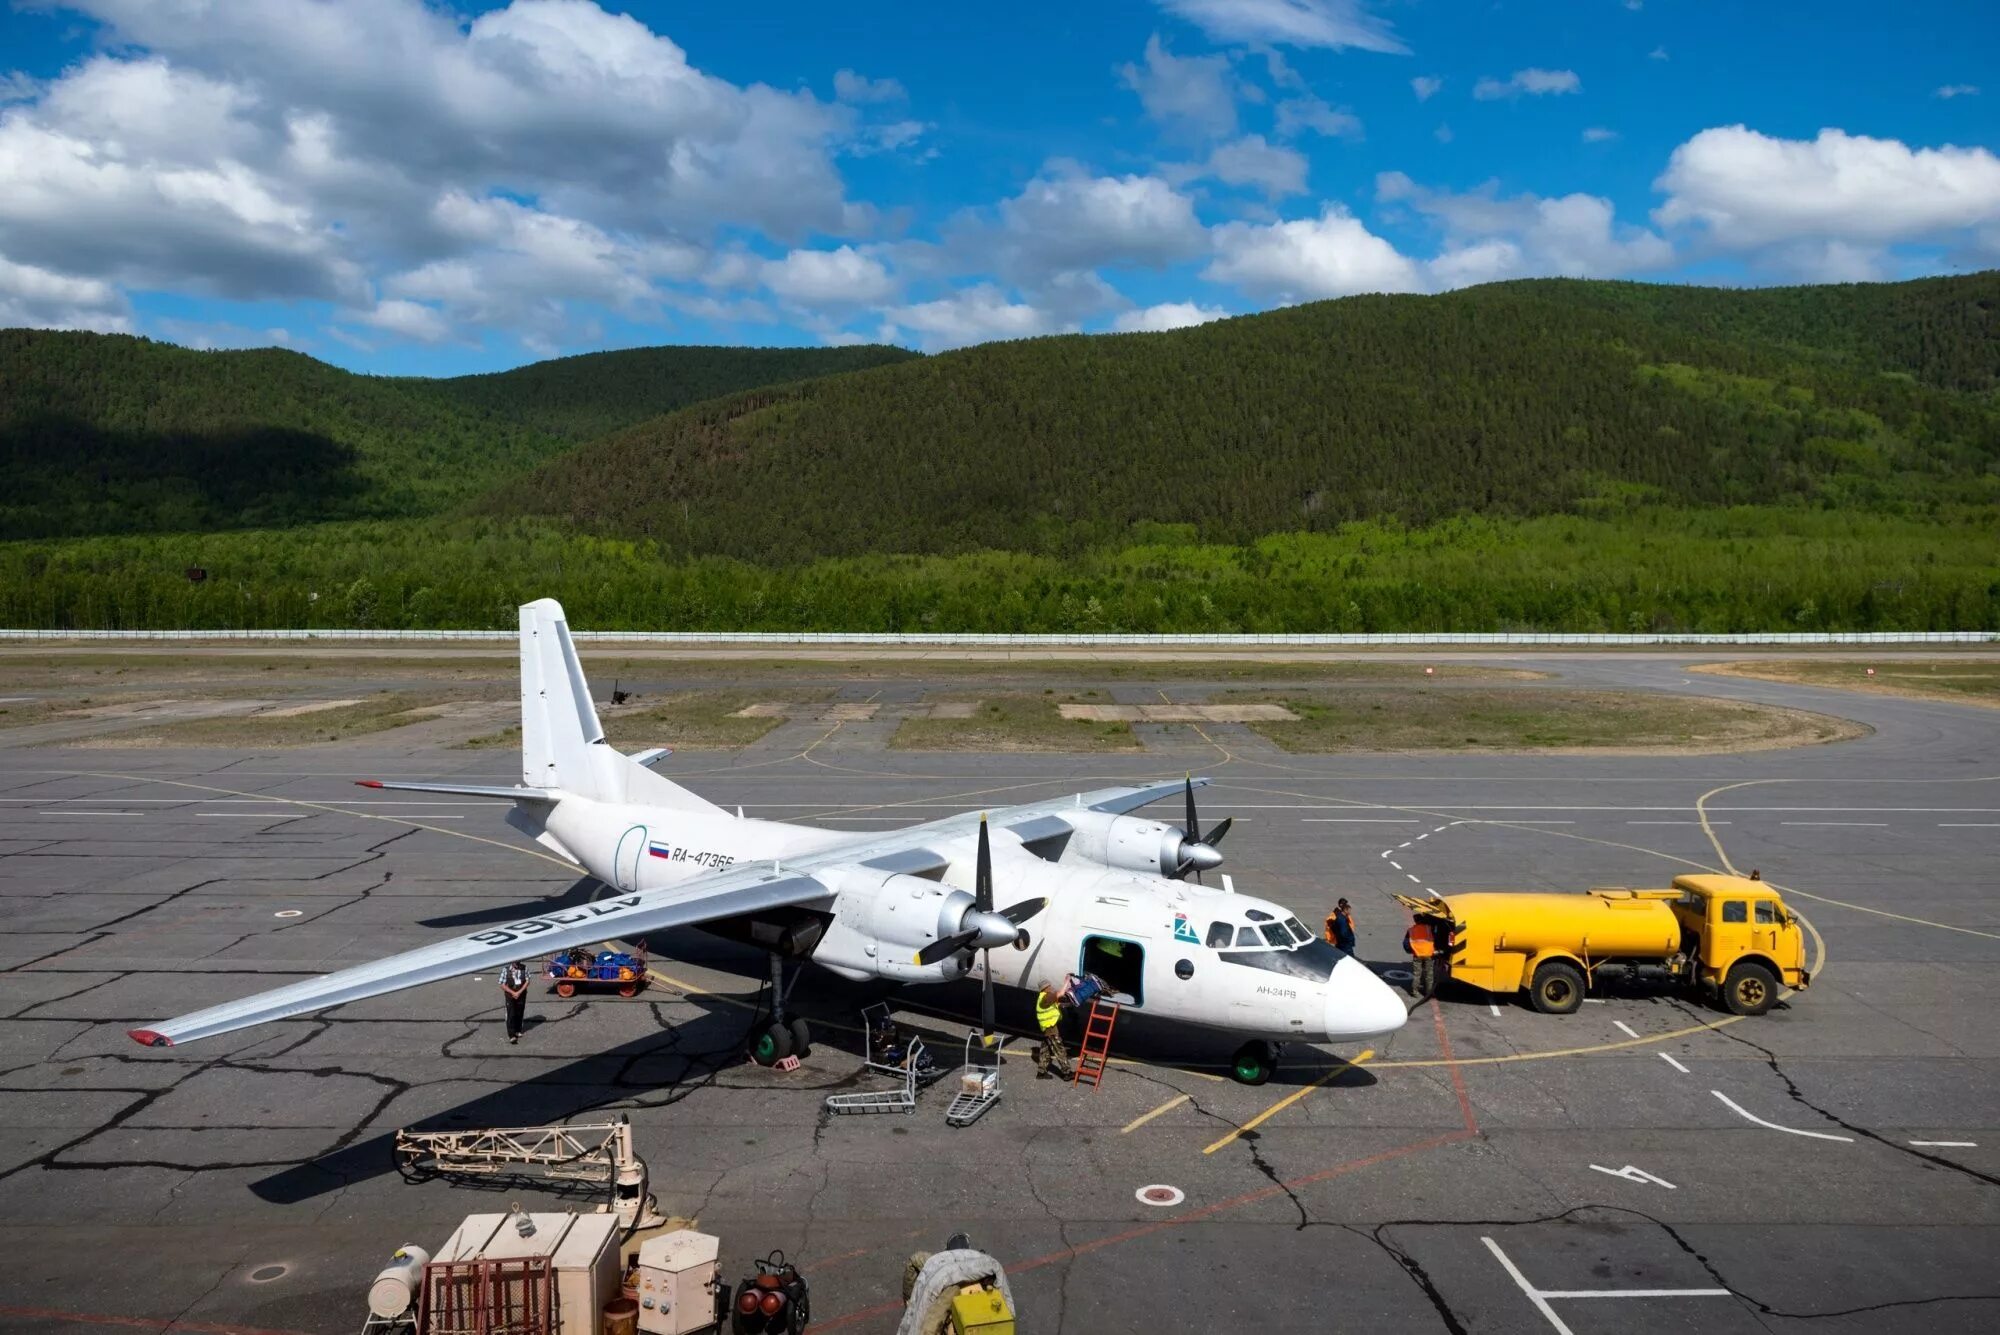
510 793
622 917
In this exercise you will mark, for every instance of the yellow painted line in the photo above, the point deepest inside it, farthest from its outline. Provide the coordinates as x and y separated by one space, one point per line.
1144 1118
1288 1101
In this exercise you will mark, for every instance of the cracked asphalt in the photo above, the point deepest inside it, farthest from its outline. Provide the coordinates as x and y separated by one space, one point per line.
145 1189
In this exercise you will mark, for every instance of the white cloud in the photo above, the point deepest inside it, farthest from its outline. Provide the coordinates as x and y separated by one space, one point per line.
1747 190
1166 315
829 278
209 335
36 298
1332 255
407 319
1532 82
887 138
972 315
1597 134
1657 53
18 87
1952 90
1305 23
1190 95
1488 237
1250 161
1310 113
1066 220
1442 134
851 87
1425 86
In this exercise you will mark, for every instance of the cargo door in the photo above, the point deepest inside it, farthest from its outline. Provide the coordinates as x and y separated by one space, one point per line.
631 852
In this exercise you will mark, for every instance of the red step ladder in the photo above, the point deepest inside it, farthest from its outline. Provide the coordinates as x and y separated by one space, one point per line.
1094 1054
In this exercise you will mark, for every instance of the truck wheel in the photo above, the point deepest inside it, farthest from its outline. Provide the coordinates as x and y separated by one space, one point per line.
1557 988
772 1045
1253 1063
1749 989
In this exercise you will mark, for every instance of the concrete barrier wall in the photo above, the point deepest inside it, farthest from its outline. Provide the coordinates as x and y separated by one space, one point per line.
1499 639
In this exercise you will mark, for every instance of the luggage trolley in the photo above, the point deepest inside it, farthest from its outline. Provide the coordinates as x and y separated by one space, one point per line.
899 1100
978 1084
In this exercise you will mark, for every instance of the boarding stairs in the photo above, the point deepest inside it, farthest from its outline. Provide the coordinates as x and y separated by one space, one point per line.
1094 1053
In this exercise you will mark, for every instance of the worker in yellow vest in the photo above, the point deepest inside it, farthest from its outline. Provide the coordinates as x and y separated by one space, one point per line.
1051 1057
1421 946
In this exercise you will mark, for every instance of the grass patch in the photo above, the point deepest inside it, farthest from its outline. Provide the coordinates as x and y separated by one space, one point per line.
378 713
1962 680
1015 721
701 719
1473 719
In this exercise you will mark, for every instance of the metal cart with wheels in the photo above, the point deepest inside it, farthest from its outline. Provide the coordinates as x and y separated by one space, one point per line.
978 1084
902 1099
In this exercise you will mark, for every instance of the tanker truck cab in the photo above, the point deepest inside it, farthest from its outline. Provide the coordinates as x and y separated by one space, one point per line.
1741 940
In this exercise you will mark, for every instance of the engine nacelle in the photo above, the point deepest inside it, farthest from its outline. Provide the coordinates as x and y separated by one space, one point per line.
1129 843
881 920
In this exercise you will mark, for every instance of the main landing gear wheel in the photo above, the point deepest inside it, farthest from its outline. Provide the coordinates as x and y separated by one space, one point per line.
1750 989
1558 988
1253 1063
772 1045
802 1040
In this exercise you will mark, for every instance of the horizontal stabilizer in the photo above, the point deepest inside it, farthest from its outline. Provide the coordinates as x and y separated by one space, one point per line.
511 794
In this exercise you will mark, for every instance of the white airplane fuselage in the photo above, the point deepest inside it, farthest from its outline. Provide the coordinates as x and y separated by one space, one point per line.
1179 951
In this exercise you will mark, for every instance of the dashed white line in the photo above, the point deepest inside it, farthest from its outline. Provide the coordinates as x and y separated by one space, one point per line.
248 815
1948 1144
93 813
1968 825
1630 1032
1425 835
1397 865
1406 843
1871 824
1353 820
1493 1007
1675 822
1749 1116
1413 876
1593 1001
1668 1059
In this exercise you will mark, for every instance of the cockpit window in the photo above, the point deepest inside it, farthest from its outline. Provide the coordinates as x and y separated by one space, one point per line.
1298 930
1220 934
1247 936
1276 934
1258 915
1312 962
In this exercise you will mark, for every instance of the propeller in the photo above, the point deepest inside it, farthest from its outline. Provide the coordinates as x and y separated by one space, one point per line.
982 928
1199 854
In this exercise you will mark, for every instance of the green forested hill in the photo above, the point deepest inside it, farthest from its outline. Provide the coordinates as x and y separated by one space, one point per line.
1517 399
598 392
107 433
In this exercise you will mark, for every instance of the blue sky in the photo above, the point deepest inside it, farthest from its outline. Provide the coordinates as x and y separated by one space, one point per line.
404 188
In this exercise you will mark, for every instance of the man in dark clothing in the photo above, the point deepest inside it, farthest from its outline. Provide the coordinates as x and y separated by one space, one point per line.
514 987
1340 927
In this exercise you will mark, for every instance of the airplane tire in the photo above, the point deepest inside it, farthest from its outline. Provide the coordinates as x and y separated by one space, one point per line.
772 1045
1253 1063
802 1042
1749 989
1557 988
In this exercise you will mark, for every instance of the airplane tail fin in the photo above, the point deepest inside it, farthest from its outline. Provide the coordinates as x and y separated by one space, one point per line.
562 742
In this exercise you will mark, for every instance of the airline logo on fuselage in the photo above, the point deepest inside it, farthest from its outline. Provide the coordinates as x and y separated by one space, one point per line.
549 922
1184 930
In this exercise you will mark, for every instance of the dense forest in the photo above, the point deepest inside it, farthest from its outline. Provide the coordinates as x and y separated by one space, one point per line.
1548 454
1512 400
108 434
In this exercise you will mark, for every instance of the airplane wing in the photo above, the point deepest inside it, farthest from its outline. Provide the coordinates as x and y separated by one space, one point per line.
745 888
742 889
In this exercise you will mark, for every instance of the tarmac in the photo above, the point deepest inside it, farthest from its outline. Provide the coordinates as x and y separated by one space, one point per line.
1647 1164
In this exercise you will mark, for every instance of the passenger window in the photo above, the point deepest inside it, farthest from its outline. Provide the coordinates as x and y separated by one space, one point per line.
1735 910
1767 913
1219 935
1247 936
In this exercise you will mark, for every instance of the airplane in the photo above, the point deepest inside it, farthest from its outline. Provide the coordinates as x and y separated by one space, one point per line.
1074 885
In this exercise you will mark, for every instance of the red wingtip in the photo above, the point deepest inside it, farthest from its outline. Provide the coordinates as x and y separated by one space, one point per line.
148 1038
367 783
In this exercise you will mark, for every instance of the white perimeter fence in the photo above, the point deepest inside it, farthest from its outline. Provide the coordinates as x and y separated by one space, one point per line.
1330 640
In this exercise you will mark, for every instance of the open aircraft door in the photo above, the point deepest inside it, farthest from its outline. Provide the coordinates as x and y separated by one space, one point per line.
631 852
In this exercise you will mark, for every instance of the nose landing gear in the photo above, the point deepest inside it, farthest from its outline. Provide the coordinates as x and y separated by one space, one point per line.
1254 1062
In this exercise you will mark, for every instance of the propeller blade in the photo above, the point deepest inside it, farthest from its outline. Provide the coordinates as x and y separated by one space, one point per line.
1193 821
1215 835
982 879
986 994
1021 912
946 946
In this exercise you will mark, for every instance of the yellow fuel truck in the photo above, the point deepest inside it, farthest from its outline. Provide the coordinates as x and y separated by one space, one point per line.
1723 932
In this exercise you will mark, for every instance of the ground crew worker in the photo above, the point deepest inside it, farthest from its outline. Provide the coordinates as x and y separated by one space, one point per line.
1051 1057
514 987
1340 927
1421 947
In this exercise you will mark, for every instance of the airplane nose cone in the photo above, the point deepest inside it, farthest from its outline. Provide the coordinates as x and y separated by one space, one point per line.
1202 856
1360 1005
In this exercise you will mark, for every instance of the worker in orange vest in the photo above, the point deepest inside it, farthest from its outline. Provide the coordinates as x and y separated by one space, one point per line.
1421 946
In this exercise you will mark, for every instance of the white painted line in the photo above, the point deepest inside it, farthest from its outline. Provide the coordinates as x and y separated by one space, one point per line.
1352 820
288 913
1668 1059
1397 865
1540 1297
93 813
1423 836
1968 825
1674 822
1406 843
248 815
1632 1174
1949 1144
1593 1001
1413 876
1387 851
1534 1294
1493 1007
1748 1116
1630 1032
227 801
1161 1195
1871 824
